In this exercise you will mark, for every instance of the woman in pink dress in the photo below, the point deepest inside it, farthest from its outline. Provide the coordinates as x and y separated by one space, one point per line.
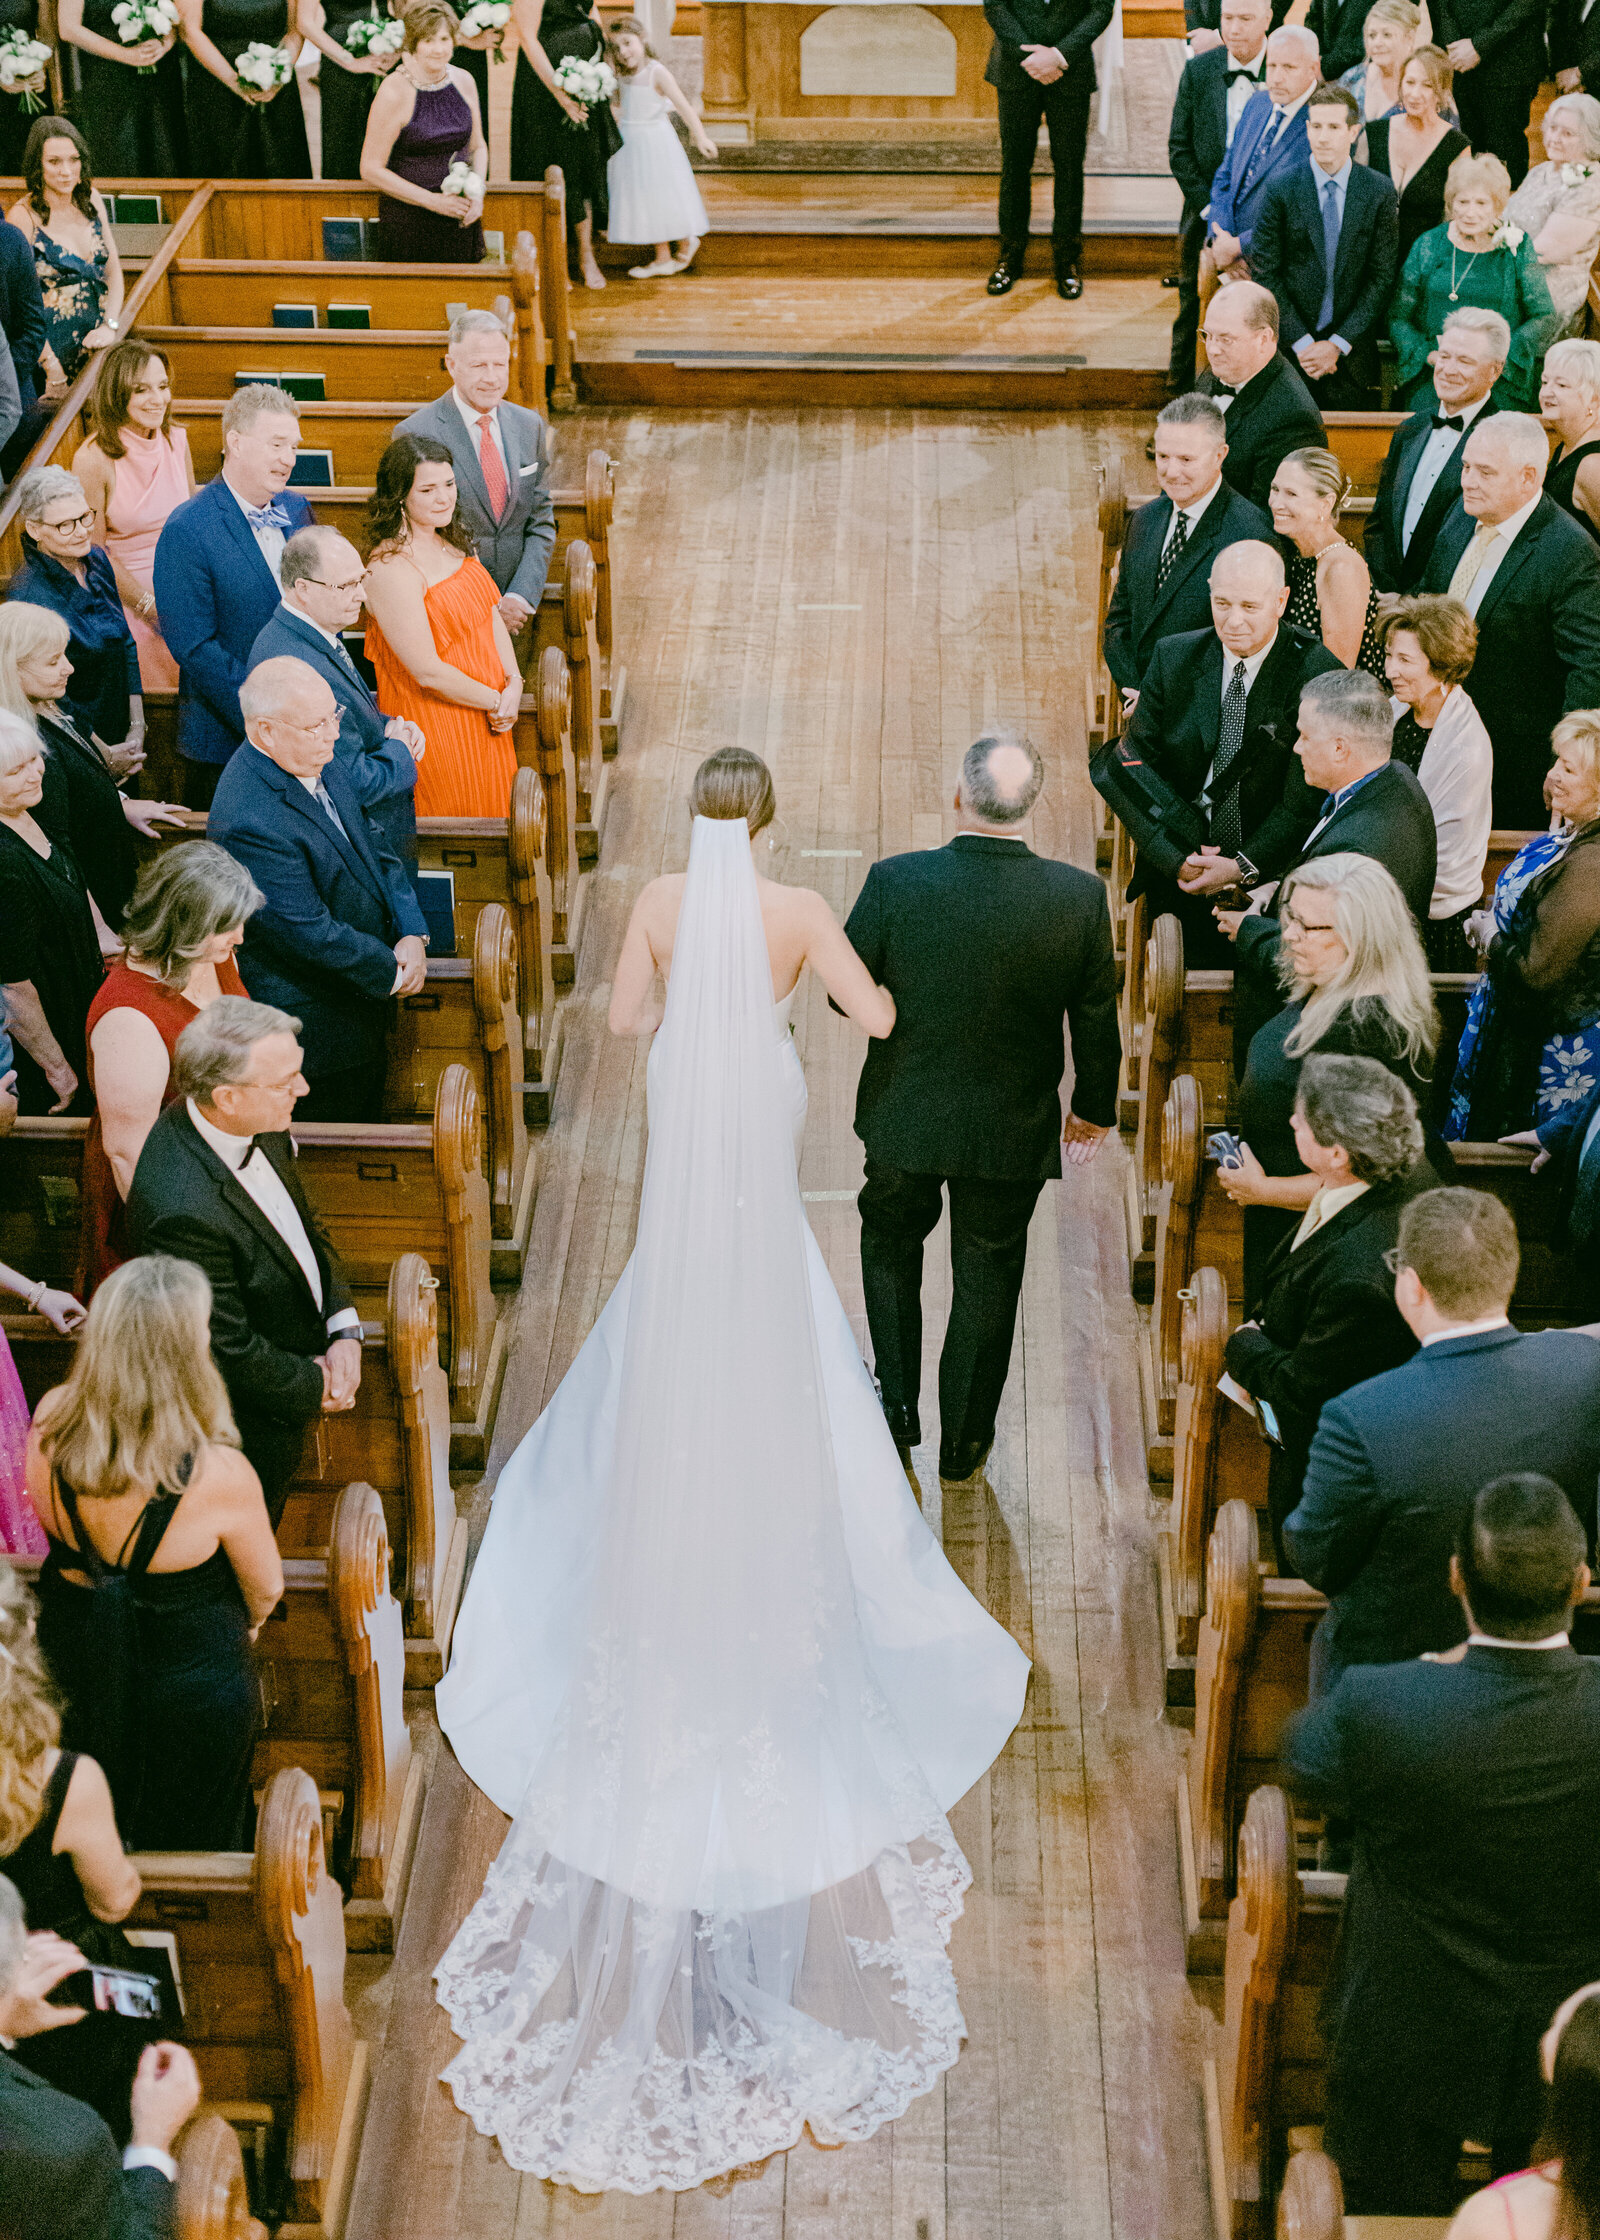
135 469
20 1531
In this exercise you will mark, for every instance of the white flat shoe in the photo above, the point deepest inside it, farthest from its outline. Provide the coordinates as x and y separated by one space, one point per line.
682 264
651 271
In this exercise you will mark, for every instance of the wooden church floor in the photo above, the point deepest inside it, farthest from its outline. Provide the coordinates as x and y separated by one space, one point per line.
855 594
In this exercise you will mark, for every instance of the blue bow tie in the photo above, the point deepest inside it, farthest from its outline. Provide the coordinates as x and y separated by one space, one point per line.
270 516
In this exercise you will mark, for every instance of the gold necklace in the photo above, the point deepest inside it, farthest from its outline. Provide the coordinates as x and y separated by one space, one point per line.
1471 261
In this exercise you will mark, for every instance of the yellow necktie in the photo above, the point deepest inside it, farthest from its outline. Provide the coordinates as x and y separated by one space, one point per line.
1467 567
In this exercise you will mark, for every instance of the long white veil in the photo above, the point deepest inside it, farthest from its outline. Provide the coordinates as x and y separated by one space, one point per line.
721 1910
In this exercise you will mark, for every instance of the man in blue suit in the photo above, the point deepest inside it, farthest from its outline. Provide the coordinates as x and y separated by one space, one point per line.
1213 94
1396 1460
1268 143
340 931
322 576
1327 243
216 574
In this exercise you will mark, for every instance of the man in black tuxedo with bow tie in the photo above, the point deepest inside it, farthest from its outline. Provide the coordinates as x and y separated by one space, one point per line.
1211 98
1497 51
1269 410
1421 477
1041 66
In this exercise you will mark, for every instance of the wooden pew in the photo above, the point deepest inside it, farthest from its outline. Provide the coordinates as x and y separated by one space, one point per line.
260 1950
212 2198
544 743
1195 1224
1311 2206
241 292
1187 1027
402 364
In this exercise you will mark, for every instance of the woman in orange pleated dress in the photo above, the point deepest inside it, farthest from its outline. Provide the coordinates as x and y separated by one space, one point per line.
442 654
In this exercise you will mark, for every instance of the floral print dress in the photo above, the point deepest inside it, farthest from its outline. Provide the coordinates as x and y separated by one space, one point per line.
74 292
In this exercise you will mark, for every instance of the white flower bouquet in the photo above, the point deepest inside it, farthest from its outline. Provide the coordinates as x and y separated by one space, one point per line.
488 15
461 179
263 68
374 35
138 20
586 82
22 58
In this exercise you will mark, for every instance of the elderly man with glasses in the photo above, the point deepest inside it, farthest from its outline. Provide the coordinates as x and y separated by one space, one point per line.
323 577
341 930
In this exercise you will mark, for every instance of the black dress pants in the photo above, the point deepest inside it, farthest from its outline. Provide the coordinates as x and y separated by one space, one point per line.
1494 113
1064 107
1392 2163
988 1250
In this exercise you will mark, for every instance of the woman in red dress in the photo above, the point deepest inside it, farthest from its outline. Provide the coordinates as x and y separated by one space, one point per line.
185 921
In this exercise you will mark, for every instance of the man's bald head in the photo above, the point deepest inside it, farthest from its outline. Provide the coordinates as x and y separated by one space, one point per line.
323 577
1001 775
1249 592
291 715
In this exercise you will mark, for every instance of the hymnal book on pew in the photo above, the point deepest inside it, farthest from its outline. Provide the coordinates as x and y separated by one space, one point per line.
312 470
344 240
350 315
310 388
136 210
436 891
294 314
1262 1410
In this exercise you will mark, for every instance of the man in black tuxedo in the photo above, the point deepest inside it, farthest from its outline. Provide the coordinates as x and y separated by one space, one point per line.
1202 20
1471 1910
1574 32
216 1184
1218 719
1042 67
1327 243
341 930
984 947
1211 98
1421 478
1166 560
1496 49
1394 1460
1339 25
61 2177
1531 578
1373 807
1270 411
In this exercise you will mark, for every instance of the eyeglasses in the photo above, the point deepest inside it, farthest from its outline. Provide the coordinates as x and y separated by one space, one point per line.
355 583
69 528
1393 1262
327 728
1289 916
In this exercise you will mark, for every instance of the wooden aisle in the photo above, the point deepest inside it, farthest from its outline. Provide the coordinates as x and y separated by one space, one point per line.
854 595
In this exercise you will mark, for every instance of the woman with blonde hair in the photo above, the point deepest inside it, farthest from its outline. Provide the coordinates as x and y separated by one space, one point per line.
1388 36
1558 203
1356 982
1531 1044
162 1563
1416 143
1569 405
61 1847
1330 584
1476 257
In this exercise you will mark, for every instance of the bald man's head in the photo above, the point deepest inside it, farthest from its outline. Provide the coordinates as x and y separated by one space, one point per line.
291 715
1241 331
1249 592
323 576
1000 779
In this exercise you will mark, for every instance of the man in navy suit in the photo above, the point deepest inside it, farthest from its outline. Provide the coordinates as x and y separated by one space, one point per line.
341 930
1421 477
1212 96
1163 578
1327 243
1395 1461
322 576
1270 142
216 574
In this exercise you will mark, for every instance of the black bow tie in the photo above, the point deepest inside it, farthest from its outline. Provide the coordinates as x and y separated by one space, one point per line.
1221 389
1449 420
1247 74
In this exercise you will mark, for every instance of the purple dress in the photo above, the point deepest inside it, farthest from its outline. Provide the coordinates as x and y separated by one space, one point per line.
440 130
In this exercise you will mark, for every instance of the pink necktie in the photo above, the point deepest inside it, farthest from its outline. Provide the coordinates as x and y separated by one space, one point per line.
494 474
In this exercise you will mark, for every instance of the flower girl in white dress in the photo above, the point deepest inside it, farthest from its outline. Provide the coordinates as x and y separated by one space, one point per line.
649 180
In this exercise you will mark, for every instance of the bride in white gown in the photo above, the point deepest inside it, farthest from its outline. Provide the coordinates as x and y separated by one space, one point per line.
711 1658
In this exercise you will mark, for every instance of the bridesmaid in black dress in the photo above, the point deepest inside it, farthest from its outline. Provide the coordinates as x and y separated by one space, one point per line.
547 128
236 132
1414 152
162 1570
50 962
425 119
133 122
18 15
347 82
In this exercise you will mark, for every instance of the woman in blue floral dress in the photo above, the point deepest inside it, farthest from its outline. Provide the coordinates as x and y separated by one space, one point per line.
80 274
1532 1039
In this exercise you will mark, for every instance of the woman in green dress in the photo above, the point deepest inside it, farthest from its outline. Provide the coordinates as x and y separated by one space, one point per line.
1473 258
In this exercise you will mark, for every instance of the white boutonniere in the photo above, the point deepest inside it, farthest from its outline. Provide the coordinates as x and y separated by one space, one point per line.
1574 174
1508 237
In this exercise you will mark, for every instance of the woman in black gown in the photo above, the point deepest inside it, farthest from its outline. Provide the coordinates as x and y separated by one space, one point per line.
548 128
15 121
236 131
130 99
162 1564
1414 152
346 81
50 962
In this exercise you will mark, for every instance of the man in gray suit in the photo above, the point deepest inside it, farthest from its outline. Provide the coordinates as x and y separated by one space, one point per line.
502 463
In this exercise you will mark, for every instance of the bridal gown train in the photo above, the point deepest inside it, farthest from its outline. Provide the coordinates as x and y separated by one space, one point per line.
715 1664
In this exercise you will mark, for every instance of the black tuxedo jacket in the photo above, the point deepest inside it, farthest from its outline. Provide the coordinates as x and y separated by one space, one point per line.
1508 34
1206 15
61 2177
1394 569
1139 615
1538 646
1272 415
322 945
1288 255
266 1328
1395 1460
1338 25
1473 1905
1179 716
1574 43
1070 26
985 948
1197 139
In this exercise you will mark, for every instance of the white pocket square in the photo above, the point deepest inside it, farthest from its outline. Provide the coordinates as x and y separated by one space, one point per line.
534 469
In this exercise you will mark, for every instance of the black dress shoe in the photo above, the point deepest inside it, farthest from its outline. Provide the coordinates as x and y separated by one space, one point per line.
904 1429
1006 273
1067 282
958 1466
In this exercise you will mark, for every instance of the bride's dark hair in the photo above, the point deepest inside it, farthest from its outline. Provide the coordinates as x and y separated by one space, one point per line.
731 783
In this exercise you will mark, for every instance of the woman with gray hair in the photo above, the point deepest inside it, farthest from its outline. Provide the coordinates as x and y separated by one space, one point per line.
62 570
1569 405
1558 203
50 963
1325 1318
183 927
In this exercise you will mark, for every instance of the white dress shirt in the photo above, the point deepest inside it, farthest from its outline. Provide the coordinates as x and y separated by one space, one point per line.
151 2158
471 415
1340 182
1192 516
1253 665
1457 775
1241 89
1324 1206
1467 1329
1493 1641
269 542
259 1178
1436 455
1489 567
